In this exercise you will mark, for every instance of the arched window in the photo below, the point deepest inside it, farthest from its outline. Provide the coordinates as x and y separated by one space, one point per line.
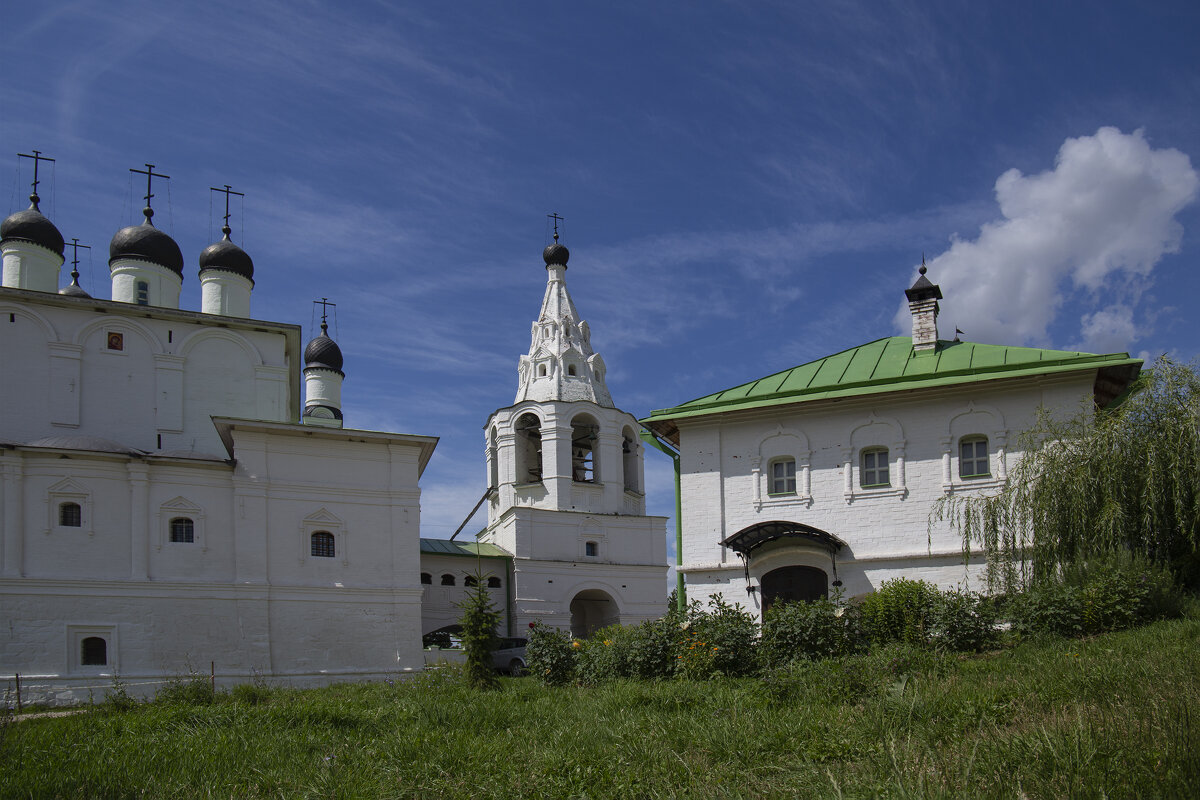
493 582
585 431
447 579
93 652
322 544
571 370
541 370
143 293
783 476
973 457
629 460
426 579
183 530
470 581
70 515
874 470
529 449
591 549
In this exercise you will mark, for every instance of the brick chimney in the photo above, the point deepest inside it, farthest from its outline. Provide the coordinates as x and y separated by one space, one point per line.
923 304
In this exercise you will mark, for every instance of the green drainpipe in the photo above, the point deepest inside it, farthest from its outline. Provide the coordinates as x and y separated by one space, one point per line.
649 437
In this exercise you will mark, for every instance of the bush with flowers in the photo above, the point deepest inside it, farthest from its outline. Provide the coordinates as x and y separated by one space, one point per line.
550 655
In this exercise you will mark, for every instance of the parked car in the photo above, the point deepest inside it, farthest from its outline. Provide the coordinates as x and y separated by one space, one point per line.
509 657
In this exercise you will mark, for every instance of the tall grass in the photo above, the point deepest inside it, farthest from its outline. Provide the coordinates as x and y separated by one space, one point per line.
1110 716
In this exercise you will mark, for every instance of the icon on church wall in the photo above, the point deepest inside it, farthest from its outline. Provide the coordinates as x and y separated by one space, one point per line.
116 341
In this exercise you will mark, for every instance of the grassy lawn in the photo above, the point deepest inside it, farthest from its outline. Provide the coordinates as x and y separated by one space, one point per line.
1112 716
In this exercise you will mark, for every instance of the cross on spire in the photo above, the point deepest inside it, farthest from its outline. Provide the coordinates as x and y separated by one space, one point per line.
557 219
37 156
324 301
75 245
150 176
225 229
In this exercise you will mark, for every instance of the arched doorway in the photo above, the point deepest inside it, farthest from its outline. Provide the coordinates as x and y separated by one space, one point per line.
591 610
794 583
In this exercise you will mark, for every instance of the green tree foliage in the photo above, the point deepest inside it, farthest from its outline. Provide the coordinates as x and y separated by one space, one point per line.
479 621
1122 480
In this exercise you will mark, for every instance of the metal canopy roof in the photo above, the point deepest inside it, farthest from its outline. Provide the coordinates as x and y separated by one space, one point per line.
445 547
889 365
747 539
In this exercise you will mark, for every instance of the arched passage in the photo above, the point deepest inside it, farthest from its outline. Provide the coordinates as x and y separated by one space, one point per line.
591 610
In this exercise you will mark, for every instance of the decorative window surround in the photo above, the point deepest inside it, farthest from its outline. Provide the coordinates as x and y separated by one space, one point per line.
324 520
896 468
762 482
181 507
998 459
68 491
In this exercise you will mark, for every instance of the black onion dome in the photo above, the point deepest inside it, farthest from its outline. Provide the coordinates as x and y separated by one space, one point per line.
227 256
556 254
323 352
31 225
146 243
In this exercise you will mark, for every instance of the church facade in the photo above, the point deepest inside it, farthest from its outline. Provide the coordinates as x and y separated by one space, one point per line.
822 478
169 500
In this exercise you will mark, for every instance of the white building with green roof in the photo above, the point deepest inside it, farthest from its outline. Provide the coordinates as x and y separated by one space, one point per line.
823 476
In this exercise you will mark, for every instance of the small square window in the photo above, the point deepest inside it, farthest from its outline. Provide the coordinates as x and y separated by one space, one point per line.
323 544
70 515
591 549
93 652
783 476
183 530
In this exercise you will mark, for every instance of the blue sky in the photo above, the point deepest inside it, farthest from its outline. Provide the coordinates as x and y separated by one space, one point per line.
746 186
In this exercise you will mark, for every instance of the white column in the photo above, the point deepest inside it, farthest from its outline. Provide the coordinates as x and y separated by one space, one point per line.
14 516
139 522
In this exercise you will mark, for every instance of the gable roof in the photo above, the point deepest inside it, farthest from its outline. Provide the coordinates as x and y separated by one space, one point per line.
891 365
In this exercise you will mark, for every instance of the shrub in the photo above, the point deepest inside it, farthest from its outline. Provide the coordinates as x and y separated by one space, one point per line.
963 621
118 698
720 641
605 656
550 655
1098 596
818 629
653 647
900 611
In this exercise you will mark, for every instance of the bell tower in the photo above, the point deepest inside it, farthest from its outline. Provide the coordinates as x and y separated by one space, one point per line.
565 467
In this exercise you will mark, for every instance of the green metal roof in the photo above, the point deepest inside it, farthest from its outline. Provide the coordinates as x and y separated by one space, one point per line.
890 365
445 547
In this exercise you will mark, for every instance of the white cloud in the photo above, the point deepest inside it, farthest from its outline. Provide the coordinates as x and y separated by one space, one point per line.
1108 330
1103 217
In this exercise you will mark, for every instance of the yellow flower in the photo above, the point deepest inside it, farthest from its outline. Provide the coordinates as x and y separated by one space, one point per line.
575 643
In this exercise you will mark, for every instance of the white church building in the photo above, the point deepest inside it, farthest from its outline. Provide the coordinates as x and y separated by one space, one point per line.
823 476
171 502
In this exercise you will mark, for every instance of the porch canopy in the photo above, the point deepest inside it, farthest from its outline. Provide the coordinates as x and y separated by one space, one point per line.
748 539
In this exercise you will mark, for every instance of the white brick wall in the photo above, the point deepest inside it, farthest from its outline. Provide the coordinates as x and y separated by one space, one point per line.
886 531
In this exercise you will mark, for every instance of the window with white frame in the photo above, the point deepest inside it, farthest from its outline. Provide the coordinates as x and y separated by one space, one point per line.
973 457
874 469
782 476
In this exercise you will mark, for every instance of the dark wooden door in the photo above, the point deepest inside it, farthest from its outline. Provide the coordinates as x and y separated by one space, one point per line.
794 583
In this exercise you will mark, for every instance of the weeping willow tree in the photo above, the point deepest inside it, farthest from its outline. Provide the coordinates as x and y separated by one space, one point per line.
1116 482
